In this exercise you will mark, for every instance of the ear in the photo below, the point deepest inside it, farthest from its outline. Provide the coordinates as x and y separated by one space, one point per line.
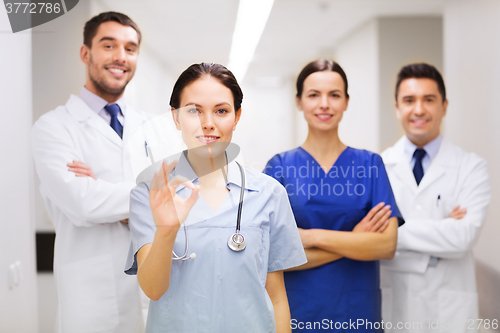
175 117
398 113
445 107
298 103
237 119
347 103
85 54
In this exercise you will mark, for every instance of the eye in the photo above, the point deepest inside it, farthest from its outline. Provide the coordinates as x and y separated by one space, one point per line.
336 95
192 111
313 95
108 46
221 111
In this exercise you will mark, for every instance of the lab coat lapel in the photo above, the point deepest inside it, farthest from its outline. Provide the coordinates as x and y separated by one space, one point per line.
81 111
132 122
401 166
444 160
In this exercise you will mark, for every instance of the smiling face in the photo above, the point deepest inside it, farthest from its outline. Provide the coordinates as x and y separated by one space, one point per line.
207 117
421 109
323 100
111 60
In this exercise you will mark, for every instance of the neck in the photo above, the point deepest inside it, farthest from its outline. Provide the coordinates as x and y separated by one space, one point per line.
208 170
421 142
110 98
323 143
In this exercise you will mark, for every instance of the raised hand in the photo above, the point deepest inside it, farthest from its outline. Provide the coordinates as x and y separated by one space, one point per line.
170 210
81 169
376 220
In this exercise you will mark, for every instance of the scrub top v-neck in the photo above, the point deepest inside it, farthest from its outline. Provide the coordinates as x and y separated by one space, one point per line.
221 290
344 290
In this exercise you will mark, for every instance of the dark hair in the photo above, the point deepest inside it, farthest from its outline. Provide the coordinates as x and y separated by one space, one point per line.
319 66
421 71
196 71
90 29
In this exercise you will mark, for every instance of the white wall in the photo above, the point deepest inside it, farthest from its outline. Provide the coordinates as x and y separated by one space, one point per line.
18 312
403 40
358 54
472 74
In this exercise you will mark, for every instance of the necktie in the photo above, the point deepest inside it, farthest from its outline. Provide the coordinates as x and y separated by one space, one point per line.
418 170
113 110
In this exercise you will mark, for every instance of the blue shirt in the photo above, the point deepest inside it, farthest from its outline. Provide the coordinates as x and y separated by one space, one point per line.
431 149
345 289
221 290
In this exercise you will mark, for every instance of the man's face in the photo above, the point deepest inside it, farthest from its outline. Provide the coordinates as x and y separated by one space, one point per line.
420 108
111 60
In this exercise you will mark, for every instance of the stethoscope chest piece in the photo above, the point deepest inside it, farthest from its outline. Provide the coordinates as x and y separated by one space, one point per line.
236 242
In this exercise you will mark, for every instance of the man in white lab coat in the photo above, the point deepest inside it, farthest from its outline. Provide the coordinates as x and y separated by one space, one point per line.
82 159
443 193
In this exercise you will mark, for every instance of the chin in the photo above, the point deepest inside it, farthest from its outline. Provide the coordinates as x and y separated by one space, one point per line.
215 149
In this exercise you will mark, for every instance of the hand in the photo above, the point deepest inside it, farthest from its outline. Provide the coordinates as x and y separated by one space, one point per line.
376 220
307 237
81 169
124 221
168 209
458 213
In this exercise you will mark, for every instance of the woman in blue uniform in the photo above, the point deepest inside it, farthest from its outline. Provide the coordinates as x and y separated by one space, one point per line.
345 210
225 287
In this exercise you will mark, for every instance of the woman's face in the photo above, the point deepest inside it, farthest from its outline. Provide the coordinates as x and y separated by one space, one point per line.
323 100
207 117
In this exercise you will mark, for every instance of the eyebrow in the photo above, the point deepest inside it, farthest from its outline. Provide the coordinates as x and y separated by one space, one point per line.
314 90
199 106
428 95
114 39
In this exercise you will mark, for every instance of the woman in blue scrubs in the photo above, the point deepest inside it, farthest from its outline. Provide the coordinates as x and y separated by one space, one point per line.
345 210
218 289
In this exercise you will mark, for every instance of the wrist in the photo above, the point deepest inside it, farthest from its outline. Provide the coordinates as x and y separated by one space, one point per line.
166 231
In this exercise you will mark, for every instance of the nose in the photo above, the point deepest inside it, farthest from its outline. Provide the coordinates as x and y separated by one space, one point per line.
419 108
323 103
120 55
207 121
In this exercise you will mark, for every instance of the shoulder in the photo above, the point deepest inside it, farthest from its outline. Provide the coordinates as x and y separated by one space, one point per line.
261 182
285 157
464 159
363 156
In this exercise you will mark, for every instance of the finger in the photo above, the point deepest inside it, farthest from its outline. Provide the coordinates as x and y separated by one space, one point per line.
193 197
79 170
383 227
79 164
381 213
381 221
374 210
81 175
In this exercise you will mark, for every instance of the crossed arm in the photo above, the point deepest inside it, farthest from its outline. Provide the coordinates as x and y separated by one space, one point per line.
374 237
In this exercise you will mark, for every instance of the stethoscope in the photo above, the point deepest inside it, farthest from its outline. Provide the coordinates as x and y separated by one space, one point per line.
235 242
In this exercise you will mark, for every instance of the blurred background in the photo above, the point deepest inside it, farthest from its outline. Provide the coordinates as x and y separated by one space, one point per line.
370 39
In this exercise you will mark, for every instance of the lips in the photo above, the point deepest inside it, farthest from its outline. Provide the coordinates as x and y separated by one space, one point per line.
324 116
207 138
116 71
419 122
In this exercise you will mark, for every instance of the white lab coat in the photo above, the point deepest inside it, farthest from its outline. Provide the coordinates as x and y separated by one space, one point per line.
94 293
442 295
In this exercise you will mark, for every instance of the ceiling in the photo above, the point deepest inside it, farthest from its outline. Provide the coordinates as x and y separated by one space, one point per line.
189 31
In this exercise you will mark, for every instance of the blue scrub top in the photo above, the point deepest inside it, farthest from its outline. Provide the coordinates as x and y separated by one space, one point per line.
221 290
344 290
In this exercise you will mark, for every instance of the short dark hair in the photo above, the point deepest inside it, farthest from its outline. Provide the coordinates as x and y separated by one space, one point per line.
319 66
421 71
90 29
196 71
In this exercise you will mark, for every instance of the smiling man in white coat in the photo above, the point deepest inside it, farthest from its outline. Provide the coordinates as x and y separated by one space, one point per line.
443 193
81 157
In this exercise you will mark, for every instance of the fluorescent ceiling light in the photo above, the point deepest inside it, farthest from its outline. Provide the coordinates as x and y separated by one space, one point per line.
250 23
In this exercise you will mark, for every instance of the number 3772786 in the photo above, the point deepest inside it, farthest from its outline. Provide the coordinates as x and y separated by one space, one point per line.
33 8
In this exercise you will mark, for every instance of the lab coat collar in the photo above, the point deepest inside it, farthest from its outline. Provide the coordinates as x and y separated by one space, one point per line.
83 113
444 160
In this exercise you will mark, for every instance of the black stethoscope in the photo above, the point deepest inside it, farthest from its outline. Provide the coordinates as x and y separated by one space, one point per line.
236 241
